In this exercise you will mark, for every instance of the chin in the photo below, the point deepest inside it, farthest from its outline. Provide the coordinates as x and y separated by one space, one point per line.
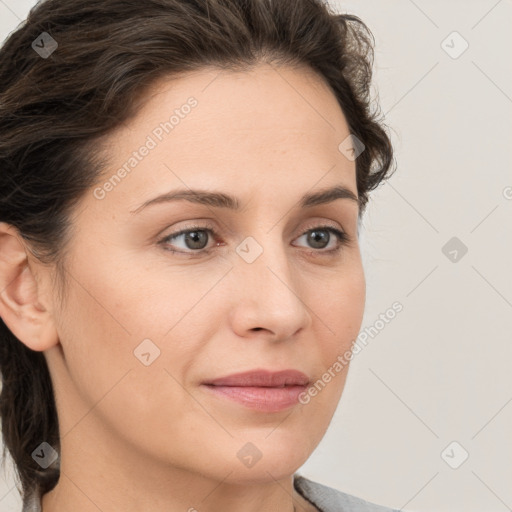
242 460
274 458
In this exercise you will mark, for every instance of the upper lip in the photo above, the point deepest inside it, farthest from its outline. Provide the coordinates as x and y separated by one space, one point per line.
262 378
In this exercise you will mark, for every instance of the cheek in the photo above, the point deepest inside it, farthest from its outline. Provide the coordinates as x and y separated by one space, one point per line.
339 305
346 309
100 331
114 309
96 344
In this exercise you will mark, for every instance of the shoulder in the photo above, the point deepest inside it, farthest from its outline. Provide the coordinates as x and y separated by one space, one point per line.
328 499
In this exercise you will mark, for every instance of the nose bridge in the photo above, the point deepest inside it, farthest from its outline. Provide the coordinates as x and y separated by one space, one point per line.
267 280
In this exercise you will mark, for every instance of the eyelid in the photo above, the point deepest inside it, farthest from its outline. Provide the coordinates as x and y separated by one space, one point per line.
341 235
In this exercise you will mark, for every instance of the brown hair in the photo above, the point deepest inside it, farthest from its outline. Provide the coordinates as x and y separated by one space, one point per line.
55 106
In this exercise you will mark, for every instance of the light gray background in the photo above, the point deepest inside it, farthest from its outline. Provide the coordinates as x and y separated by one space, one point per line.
440 371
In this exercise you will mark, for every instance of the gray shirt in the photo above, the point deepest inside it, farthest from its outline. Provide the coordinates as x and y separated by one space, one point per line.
324 498
328 499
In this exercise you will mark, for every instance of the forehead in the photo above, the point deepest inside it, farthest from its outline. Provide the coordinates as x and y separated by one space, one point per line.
244 104
210 128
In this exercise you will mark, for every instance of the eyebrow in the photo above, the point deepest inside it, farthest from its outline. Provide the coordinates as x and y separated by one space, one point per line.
221 200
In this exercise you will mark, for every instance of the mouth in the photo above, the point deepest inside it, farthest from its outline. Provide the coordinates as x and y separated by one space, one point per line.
261 390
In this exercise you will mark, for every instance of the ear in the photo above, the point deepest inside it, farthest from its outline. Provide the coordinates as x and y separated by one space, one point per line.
21 296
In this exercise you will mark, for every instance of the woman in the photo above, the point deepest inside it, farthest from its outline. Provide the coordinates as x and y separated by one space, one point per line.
182 187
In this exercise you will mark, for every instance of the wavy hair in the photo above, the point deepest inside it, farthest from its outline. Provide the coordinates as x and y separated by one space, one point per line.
55 107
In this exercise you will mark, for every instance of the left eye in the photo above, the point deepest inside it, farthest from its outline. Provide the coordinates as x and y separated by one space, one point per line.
321 234
196 239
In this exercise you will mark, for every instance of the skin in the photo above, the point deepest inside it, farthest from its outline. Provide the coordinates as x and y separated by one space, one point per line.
138 437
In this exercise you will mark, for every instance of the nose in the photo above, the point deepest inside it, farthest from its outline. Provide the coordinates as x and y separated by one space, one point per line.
268 295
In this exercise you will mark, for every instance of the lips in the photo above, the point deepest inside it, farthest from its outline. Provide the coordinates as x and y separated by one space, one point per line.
260 390
262 378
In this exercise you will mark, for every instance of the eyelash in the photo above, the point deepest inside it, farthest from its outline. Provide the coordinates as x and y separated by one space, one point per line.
342 237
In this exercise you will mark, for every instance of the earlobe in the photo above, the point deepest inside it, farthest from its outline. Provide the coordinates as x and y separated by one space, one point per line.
21 307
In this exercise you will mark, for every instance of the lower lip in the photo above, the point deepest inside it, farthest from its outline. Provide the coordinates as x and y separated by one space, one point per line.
265 399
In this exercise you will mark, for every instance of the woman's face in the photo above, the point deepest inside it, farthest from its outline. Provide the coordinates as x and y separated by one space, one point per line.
269 287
